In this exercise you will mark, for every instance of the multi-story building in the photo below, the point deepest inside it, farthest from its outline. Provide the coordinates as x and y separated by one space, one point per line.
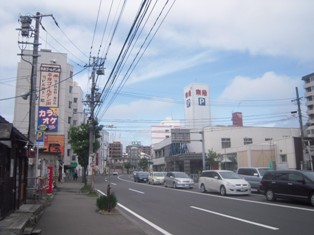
309 97
135 151
116 158
58 105
163 130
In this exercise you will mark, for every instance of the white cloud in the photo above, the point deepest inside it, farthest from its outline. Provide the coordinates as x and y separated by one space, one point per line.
269 86
279 28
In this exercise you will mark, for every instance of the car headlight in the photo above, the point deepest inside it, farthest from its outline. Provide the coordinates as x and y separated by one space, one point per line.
229 184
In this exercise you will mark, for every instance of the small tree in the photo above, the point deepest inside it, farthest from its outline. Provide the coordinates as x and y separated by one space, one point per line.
127 166
213 158
79 139
143 164
106 202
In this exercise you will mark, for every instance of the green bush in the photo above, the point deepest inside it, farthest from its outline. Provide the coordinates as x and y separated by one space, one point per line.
103 202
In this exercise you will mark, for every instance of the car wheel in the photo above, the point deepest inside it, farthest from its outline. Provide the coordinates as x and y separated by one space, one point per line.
223 191
312 199
174 185
203 189
270 196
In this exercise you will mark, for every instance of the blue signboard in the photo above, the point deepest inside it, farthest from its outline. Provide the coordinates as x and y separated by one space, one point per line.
48 119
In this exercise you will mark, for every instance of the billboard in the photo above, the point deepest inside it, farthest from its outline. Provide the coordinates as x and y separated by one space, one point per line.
54 144
49 97
49 85
180 135
47 119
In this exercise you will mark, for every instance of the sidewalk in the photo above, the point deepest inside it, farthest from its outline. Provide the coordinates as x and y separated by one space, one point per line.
72 212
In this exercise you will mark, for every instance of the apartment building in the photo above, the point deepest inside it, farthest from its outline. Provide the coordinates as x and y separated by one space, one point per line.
309 99
58 105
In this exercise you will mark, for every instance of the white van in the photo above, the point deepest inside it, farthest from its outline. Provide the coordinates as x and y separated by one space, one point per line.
253 175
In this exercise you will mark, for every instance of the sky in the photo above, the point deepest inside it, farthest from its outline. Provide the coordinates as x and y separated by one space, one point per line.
251 53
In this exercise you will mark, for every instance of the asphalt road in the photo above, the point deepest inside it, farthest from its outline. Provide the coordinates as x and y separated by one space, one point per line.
163 210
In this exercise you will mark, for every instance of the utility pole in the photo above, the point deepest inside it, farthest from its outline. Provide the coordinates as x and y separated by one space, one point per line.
26 32
91 125
301 127
93 100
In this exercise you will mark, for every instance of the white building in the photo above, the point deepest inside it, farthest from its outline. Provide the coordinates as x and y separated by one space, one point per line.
58 105
309 96
254 146
163 130
197 106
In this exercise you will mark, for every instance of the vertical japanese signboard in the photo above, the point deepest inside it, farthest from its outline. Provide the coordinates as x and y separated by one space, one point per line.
49 97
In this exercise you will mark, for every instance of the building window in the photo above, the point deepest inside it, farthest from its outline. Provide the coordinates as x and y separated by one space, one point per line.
70 89
68 152
73 158
247 141
74 122
69 120
268 139
75 100
283 158
70 104
75 111
225 143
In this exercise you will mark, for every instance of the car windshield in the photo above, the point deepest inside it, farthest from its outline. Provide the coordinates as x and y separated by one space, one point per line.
263 170
229 175
310 175
143 174
158 174
180 175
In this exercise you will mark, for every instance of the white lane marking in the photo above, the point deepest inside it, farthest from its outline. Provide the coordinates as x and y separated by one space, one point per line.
136 191
113 183
145 220
140 217
236 218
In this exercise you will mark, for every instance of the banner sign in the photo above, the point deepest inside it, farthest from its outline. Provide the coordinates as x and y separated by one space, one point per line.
48 119
49 85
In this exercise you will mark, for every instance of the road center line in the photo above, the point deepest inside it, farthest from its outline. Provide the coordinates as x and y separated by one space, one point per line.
235 218
136 191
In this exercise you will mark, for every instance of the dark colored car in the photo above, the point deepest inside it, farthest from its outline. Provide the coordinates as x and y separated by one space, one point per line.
288 184
141 176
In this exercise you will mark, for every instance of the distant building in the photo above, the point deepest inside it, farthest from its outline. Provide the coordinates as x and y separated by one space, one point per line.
115 150
237 119
197 106
135 151
163 130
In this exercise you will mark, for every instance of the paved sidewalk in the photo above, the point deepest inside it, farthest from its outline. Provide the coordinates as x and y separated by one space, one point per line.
72 212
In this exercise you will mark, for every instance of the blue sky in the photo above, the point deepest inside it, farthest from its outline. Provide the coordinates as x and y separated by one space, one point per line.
252 54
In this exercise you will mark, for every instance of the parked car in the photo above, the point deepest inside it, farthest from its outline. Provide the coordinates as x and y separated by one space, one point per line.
224 182
141 176
253 175
177 179
288 184
115 173
156 177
